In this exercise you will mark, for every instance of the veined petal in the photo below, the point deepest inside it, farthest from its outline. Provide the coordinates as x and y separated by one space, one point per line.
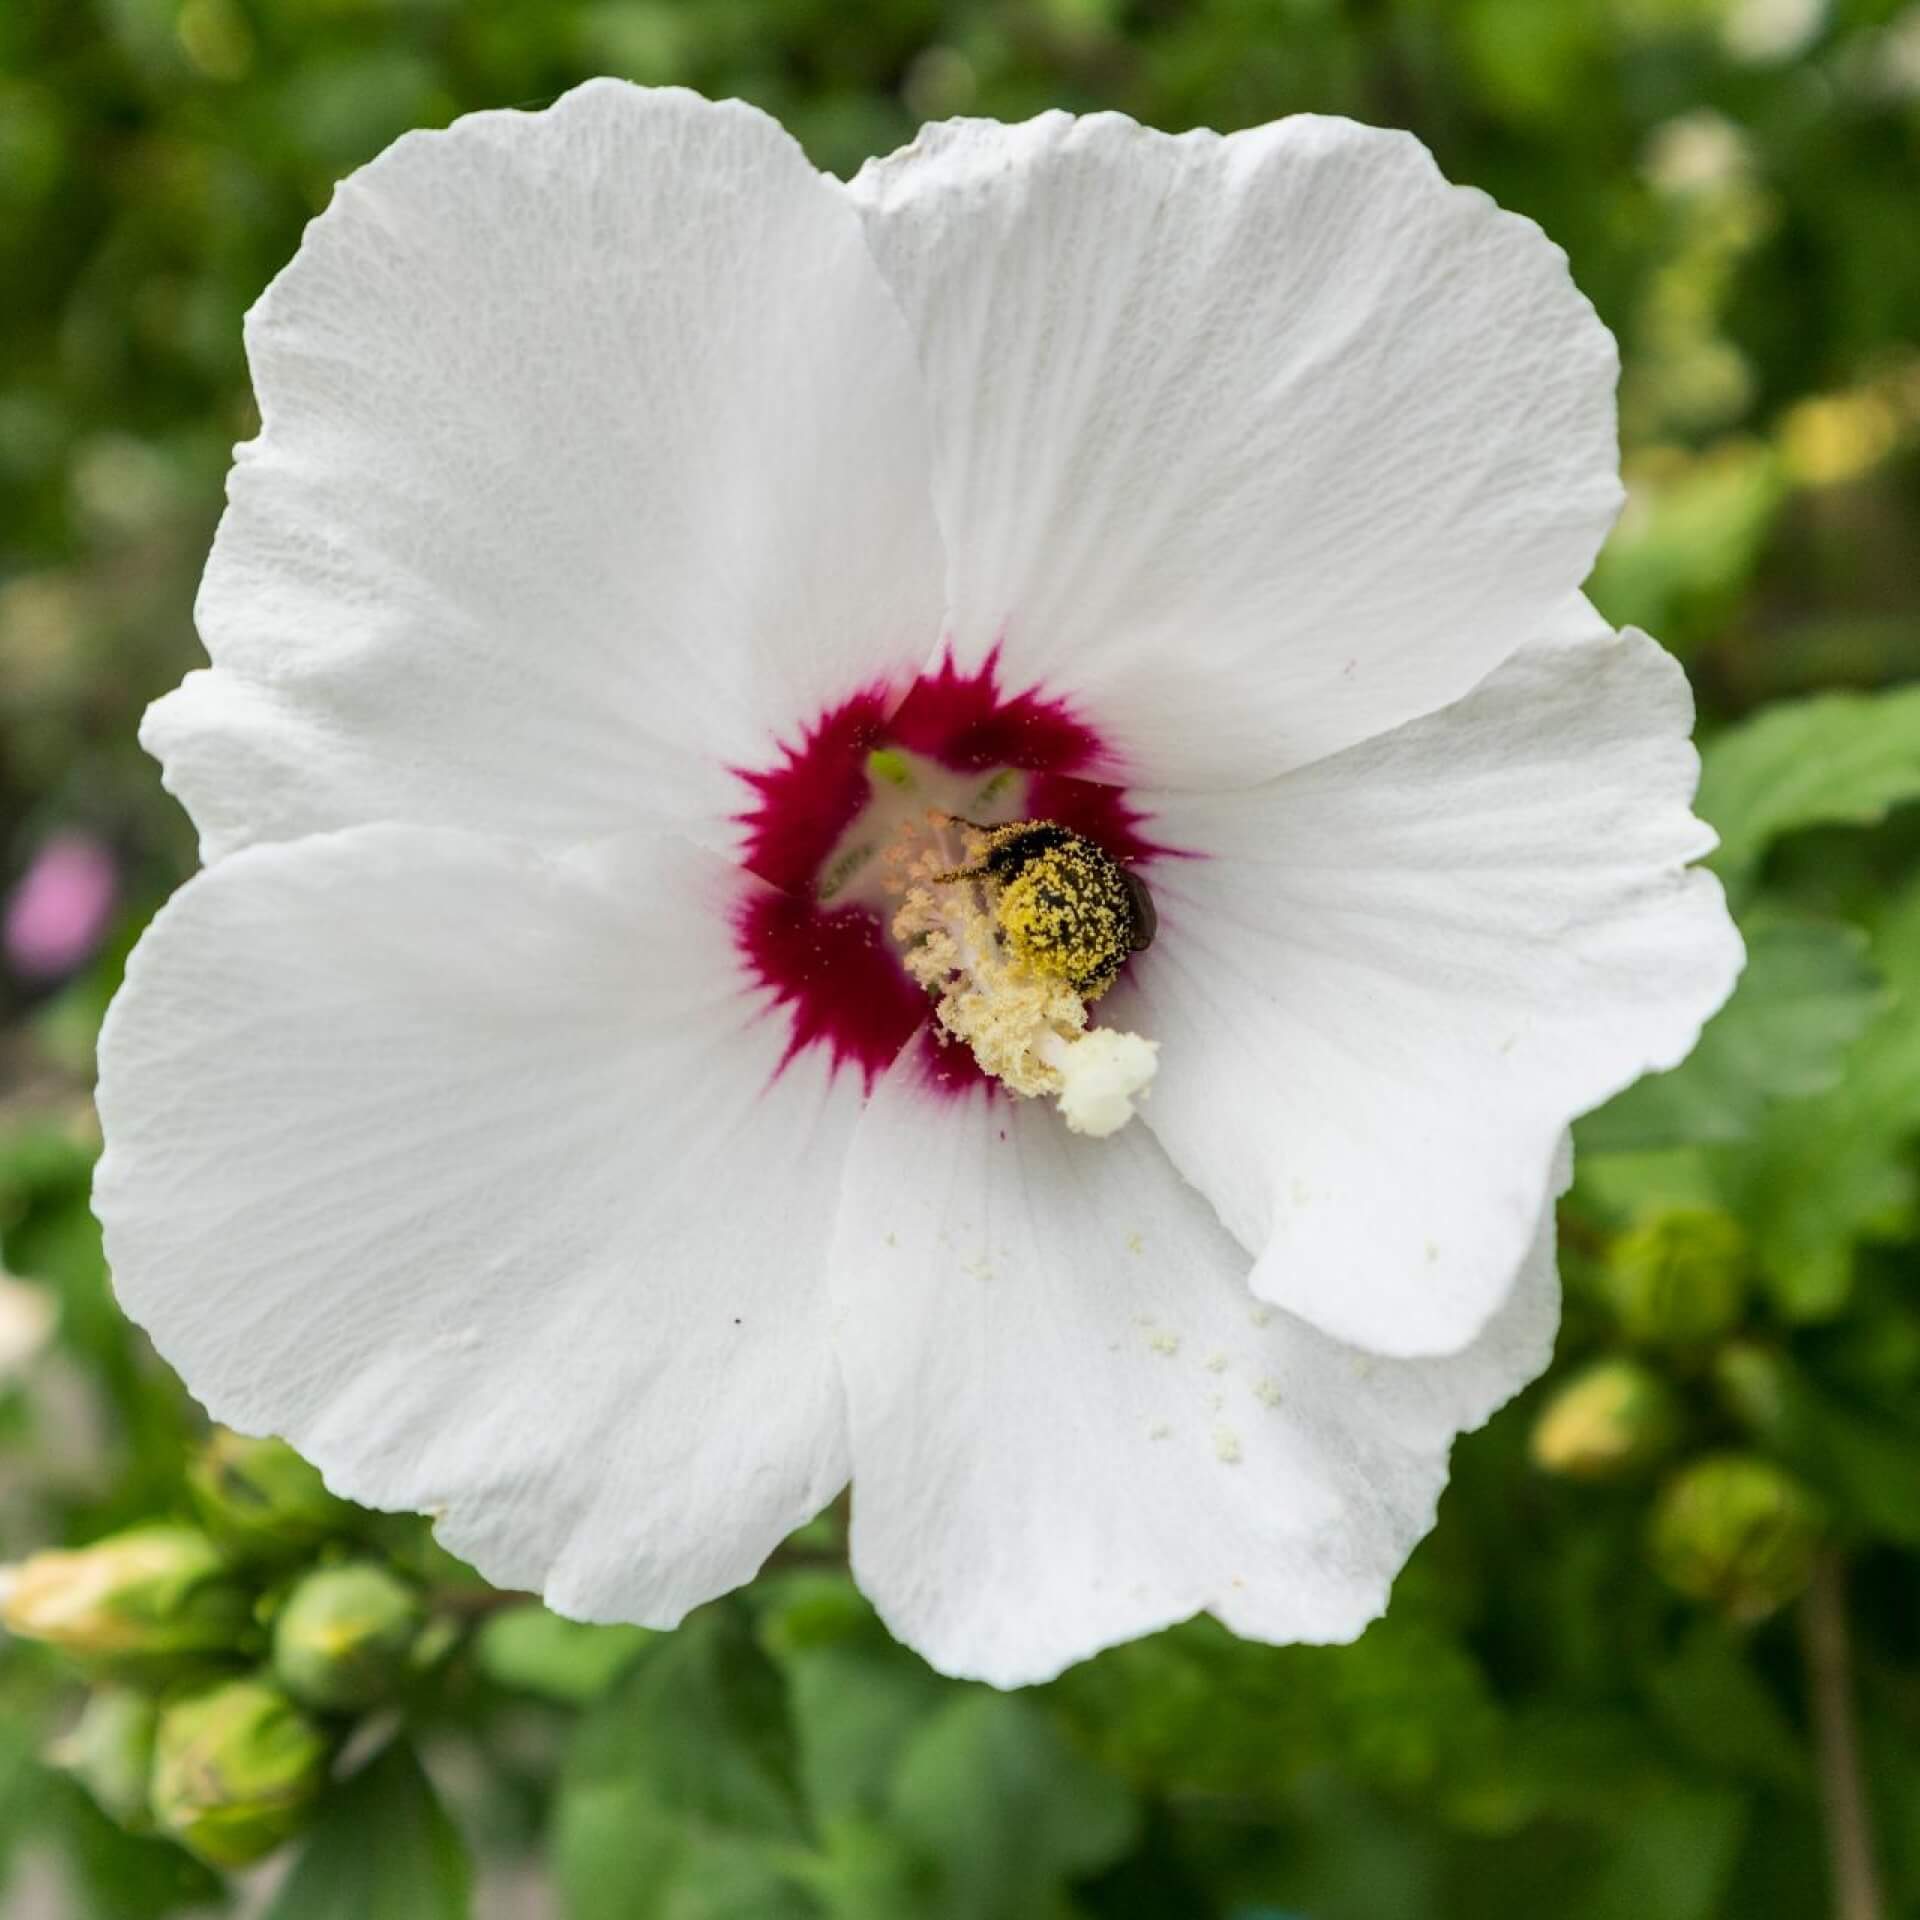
1072 1424
1396 976
592 461
470 1170
1259 446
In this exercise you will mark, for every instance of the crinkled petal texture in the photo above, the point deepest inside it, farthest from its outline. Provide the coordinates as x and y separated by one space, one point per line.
592 460
1260 445
1395 976
464 1166
1072 1425
448 1134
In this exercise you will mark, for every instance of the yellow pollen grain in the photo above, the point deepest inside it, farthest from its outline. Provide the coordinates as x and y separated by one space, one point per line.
1165 1343
1266 1392
1217 1361
1226 1446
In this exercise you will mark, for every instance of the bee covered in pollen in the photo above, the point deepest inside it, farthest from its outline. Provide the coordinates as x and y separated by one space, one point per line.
1064 905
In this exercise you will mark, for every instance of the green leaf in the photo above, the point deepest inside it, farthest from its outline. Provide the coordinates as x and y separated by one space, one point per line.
1835 759
1414 1710
121 1876
1782 1871
383 1849
869 1871
857 1694
1892 1763
1670 1859
1865 1462
1680 562
23 1783
1716 1706
1823 1172
679 1799
533 1651
1345 1856
1808 991
993 1792
1619 1188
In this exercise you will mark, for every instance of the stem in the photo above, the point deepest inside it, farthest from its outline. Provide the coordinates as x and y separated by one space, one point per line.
1843 1793
479 1603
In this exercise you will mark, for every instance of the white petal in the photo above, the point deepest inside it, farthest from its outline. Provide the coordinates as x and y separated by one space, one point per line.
592 459
468 1169
1394 977
1254 447
1071 1422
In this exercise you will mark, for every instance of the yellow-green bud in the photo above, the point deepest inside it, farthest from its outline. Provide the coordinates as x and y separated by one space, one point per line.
1679 1278
1737 1532
110 1752
1754 1384
261 1501
1610 1419
343 1640
237 1768
139 1602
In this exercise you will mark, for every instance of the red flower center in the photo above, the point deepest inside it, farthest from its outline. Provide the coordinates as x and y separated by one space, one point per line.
831 967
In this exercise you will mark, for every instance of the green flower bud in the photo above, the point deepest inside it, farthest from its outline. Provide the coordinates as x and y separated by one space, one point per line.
110 1752
1609 1419
141 1602
1679 1278
1755 1385
1737 1532
261 1501
237 1768
343 1640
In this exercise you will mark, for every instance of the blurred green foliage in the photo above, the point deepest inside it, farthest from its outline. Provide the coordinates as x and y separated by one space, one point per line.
1543 1723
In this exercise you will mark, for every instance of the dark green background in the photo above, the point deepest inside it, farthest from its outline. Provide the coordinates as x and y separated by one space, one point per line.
1541 1725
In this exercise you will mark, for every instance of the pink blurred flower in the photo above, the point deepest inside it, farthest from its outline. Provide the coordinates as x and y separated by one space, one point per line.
58 913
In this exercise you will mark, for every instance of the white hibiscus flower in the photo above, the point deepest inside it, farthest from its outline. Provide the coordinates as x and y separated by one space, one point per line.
652 550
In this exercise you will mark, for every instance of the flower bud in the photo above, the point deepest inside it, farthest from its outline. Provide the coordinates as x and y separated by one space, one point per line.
140 1601
1609 1419
343 1640
261 1501
110 1752
1755 1385
236 1770
1737 1532
1679 1278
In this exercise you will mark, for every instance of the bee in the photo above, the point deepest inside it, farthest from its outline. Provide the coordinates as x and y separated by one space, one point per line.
1065 906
